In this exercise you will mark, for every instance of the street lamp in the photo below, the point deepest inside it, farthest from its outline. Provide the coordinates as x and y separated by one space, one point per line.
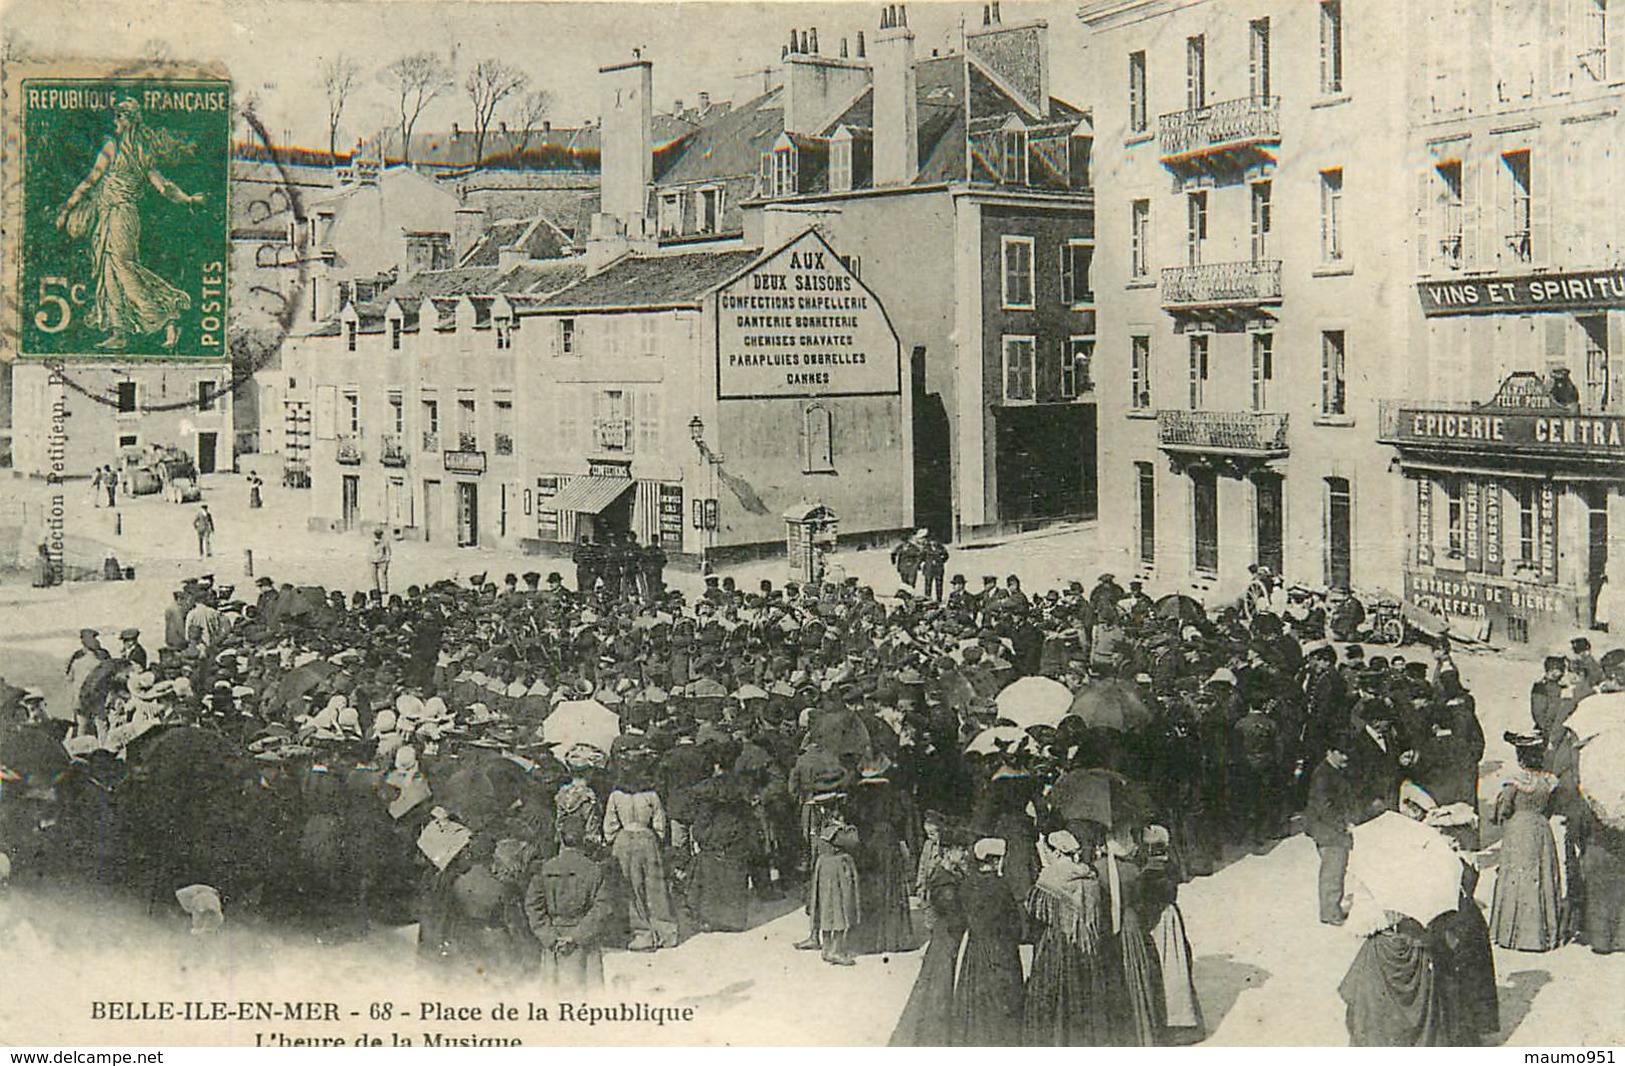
705 514
696 433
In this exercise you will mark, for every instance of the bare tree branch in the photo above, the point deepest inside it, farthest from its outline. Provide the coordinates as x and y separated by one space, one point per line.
417 80
530 111
488 84
339 76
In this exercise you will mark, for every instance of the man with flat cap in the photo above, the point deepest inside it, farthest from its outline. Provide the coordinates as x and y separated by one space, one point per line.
130 649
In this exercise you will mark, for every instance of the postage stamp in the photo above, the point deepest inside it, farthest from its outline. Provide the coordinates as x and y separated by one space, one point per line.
125 218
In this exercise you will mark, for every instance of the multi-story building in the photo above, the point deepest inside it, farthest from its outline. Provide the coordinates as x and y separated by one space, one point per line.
1251 175
961 159
1507 415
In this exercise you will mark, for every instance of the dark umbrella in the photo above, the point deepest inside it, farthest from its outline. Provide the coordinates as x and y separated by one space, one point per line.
31 755
1103 796
478 789
102 679
1111 705
302 679
1181 608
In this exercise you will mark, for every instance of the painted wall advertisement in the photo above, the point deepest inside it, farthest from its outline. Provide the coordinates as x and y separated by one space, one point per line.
800 324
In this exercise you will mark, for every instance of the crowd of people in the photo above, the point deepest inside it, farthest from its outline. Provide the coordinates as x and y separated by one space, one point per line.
575 771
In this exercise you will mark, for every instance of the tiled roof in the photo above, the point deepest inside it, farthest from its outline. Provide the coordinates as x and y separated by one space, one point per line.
573 147
652 281
730 146
534 238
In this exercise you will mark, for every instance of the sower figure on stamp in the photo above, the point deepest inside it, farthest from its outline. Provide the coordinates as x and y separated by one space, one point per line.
130 300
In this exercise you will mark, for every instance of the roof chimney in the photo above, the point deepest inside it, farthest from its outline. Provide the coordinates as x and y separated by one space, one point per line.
987 14
627 142
1018 53
816 85
793 47
468 226
896 104
860 44
996 19
814 33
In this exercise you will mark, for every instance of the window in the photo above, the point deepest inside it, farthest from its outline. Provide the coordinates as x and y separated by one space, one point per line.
1333 374
711 209
430 416
1339 530
840 163
670 214
1076 358
1528 496
349 336
1140 239
1263 369
1195 72
567 338
467 427
1263 212
609 420
394 334
1520 206
818 442
352 411
1331 216
128 440
1205 518
1449 207
1139 373
1139 116
783 165
1077 264
1592 30
1331 46
504 332
648 336
126 397
397 414
1258 59
1195 226
1199 353
1020 368
1595 329
1145 478
1013 152
648 411
1018 272
206 395
502 426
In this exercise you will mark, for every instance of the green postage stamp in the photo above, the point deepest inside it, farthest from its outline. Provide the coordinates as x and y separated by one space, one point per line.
124 218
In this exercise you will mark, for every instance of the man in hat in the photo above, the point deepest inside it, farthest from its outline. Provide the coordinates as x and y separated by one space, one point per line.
380 555
130 649
1584 668
959 598
571 905
1106 593
933 564
1328 819
81 664
203 523
1550 700
651 562
906 557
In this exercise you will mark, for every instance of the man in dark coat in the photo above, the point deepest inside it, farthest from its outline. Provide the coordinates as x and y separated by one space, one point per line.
1548 704
1327 819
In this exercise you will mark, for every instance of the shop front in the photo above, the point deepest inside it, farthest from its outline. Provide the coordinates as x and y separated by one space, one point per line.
1514 501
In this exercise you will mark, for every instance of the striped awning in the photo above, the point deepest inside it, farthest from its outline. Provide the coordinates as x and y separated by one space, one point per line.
590 495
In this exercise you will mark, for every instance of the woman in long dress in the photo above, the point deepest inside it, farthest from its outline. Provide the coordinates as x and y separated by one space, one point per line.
1067 990
1604 871
925 1018
1524 912
1135 911
129 300
987 991
1160 886
634 825
1392 991
878 814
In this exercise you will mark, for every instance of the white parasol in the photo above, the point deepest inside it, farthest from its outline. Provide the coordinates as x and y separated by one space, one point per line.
1602 777
1000 738
1406 867
581 722
1031 701
1597 714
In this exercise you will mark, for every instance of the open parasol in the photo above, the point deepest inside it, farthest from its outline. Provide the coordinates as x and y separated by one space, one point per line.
1598 714
1181 608
1111 705
1031 701
1103 796
1406 867
1602 777
1005 739
581 722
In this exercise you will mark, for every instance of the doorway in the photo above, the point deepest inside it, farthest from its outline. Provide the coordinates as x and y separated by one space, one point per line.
1267 516
350 487
207 445
1339 545
1596 546
397 503
431 508
468 514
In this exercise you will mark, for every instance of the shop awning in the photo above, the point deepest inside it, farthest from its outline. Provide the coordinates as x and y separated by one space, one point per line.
590 495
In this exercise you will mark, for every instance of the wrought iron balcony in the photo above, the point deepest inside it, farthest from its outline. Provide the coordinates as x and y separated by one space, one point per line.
1219 133
1258 434
348 451
613 434
468 442
431 441
1222 284
391 450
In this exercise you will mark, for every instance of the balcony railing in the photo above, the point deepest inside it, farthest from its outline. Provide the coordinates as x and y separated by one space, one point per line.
503 443
431 441
1254 433
613 434
1220 127
468 442
348 452
391 450
1219 284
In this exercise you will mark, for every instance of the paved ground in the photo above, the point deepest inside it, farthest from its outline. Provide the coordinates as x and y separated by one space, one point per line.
1266 971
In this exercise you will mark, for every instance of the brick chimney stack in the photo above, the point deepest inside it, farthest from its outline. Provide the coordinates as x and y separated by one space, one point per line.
896 103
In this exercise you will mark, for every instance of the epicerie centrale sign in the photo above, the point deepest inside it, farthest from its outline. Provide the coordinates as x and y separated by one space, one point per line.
800 324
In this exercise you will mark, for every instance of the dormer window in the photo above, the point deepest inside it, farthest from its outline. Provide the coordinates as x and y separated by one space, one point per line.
840 161
779 168
671 214
1013 156
349 336
710 210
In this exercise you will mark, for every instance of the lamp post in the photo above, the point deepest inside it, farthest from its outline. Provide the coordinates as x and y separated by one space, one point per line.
708 508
